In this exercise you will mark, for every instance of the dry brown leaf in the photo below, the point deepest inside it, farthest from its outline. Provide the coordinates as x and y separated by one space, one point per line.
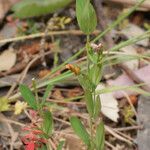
7 59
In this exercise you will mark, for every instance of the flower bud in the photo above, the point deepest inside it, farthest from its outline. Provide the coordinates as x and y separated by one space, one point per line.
74 69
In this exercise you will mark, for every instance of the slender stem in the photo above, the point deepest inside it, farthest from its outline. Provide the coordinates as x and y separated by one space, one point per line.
87 50
91 132
35 91
88 69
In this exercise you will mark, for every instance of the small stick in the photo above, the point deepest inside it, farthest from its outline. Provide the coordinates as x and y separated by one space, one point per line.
60 120
129 128
10 121
63 102
124 135
52 144
145 4
116 135
42 34
110 145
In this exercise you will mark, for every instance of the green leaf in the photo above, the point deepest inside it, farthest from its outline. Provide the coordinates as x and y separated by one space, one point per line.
86 16
4 104
47 123
100 136
95 74
85 82
80 130
89 102
46 94
28 96
60 145
97 106
92 56
31 8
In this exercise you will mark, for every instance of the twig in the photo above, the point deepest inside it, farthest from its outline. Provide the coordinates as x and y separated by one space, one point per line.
110 145
52 144
28 115
129 128
13 134
124 135
66 102
146 4
10 121
4 134
60 120
37 35
112 132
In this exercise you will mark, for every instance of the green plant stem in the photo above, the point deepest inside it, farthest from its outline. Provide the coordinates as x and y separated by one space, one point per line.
35 91
91 133
87 50
88 69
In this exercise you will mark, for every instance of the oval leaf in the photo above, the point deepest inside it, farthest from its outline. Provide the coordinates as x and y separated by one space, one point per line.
86 16
46 94
28 96
31 8
80 130
89 102
47 123
100 136
97 107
